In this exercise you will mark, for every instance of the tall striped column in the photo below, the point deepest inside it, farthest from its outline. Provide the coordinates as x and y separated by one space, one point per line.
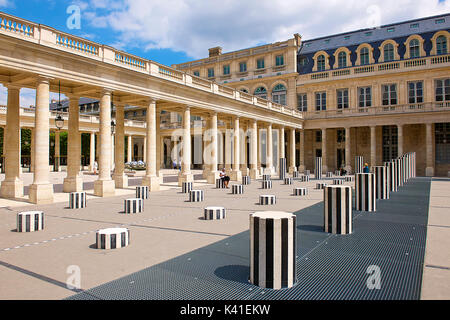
365 192
273 249
398 172
338 209
283 170
318 168
382 182
359 163
392 175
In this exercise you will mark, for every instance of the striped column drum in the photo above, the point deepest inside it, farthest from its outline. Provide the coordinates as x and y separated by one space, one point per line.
273 249
134 205
300 192
246 180
338 209
282 168
365 192
414 164
318 168
220 184
237 189
320 186
307 173
288 181
186 187
392 176
196 196
142 192
266 200
337 173
404 169
295 174
215 213
266 184
329 175
266 177
338 182
30 221
112 238
77 200
304 178
382 181
359 164
398 172
349 179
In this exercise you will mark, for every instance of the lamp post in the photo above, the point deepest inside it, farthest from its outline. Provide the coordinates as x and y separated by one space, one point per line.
59 123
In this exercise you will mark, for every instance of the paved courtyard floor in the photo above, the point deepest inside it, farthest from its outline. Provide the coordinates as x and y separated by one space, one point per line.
180 255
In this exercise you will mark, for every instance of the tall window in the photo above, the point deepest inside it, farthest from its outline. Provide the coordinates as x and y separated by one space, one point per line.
318 135
364 56
279 60
302 100
226 69
340 135
389 94
342 99
197 73
210 72
243 67
261 92
389 52
441 45
365 97
443 90
415 92
279 94
414 48
442 138
321 63
342 60
260 63
390 143
321 101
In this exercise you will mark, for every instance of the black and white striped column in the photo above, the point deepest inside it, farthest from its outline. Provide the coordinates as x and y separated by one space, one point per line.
112 238
215 213
196 196
133 205
365 192
283 170
398 172
186 187
246 180
30 221
266 200
337 173
338 182
288 181
273 249
220 184
142 192
320 186
338 209
237 189
307 173
329 175
359 164
295 174
77 200
318 168
266 177
266 184
392 175
304 178
349 179
300 192
382 181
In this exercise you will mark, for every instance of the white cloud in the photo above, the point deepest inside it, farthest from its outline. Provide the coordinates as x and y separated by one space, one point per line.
5 3
195 26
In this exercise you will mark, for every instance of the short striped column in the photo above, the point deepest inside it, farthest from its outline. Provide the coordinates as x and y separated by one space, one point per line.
295 174
266 200
359 164
304 178
142 192
382 181
77 200
337 173
266 177
215 213
134 205
338 209
318 168
365 192
30 221
220 184
237 189
196 196
349 179
186 187
300 192
307 173
338 182
266 184
273 249
282 170
320 186
112 238
246 180
329 174
288 181
392 176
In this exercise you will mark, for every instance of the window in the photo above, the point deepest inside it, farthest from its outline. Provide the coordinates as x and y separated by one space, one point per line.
364 56
226 69
244 90
442 138
390 143
261 92
321 101
321 63
302 100
211 73
346 37
319 136
439 21
243 67
279 60
303 61
197 73
414 48
340 134
415 92
365 97
391 30
342 99
368 34
389 52
144 113
389 92
441 45
414 26
260 64
443 90
342 60
279 94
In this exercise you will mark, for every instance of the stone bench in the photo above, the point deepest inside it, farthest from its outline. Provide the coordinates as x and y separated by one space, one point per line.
133 206
196 196
77 200
266 184
300 192
338 209
112 238
237 189
30 221
215 213
142 192
266 200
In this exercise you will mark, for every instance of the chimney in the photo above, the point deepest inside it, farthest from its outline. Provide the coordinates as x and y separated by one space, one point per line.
214 52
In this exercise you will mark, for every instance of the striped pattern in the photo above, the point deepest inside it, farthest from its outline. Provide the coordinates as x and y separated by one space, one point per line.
295 174
318 168
220 184
266 184
398 172
307 173
134 205
77 200
337 173
337 182
288 181
142 192
113 238
266 177
237 189
365 192
320 186
186 187
30 221
246 180
349 179
338 209
382 182
273 249
392 176
283 170
300 192
329 175
266 200
304 178
215 213
359 164
196 196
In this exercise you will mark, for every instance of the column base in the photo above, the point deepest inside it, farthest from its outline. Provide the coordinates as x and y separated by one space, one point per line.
41 193
429 172
153 183
245 171
270 171
212 177
254 174
121 181
104 188
73 184
183 177
292 170
236 175
12 189
206 171
161 177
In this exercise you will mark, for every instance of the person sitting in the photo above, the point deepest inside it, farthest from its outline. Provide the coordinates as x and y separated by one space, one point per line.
226 179
366 168
343 171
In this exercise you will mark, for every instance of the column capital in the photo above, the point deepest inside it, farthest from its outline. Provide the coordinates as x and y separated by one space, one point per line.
72 96
43 79
11 85
107 92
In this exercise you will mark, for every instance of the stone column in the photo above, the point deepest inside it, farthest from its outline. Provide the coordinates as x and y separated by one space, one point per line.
324 151
120 178
186 173
429 171
58 151
302 167
281 147
213 146
159 147
113 152
292 144
144 154
151 179
243 149
236 174
12 186
92 152
105 186
74 181
41 191
348 161
32 149
228 151
130 149
254 174
400 140
269 150
373 146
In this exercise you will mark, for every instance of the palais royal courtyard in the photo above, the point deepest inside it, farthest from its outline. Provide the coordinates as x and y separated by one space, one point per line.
306 169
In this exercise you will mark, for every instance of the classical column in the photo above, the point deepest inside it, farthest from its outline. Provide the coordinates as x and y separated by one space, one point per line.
92 152
12 186
243 149
373 146
254 174
292 144
105 186
144 154
186 173
130 149
113 152
57 151
429 171
281 147
120 178
213 147
41 191
151 179
400 140
32 149
228 151
348 160
302 166
269 150
159 146
74 181
324 151
236 174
